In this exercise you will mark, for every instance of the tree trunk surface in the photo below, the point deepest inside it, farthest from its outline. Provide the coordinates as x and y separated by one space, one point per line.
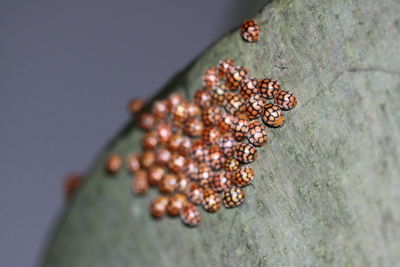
327 186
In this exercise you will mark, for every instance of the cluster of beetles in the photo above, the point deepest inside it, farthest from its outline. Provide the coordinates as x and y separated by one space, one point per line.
195 152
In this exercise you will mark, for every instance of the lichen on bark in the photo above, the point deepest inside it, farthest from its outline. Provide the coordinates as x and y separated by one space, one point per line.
327 190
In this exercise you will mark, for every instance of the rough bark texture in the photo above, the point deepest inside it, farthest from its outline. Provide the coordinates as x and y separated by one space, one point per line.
327 190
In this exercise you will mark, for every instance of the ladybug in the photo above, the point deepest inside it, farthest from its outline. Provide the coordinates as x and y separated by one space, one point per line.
175 204
204 172
235 76
177 163
160 109
168 183
146 121
133 162
179 114
191 169
71 184
202 98
193 127
185 146
174 99
225 125
233 197
268 88
220 181
243 177
156 173
163 156
257 134
183 183
210 77
150 140
147 159
135 106
195 193
240 127
250 31
273 116
216 158
232 165
211 115
190 215
218 94
211 135
158 206
211 201
245 153
224 67
199 151
114 163
192 110
227 143
174 142
249 87
164 132
285 100
234 104
140 183
206 183
254 107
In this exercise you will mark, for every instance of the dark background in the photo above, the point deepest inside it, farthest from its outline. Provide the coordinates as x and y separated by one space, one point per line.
67 71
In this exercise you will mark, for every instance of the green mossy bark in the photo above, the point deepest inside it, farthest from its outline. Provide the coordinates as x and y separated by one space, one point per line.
327 190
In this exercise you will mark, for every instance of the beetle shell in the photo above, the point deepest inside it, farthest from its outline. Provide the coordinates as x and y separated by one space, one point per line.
225 66
250 31
225 124
255 107
234 104
174 99
216 158
158 206
211 135
114 163
232 165
193 127
190 215
140 183
233 197
273 116
133 162
185 146
177 163
202 98
146 121
245 153
147 159
211 115
257 134
243 177
179 114
135 106
285 100
183 183
210 77
220 181
192 109
163 156
204 171
195 193
175 204
156 173
164 132
160 109
218 94
227 143
150 140
199 151
191 169
168 183
235 76
268 88
211 201
249 87
240 128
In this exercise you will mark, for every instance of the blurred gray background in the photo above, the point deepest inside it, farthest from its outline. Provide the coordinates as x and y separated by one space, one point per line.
67 71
